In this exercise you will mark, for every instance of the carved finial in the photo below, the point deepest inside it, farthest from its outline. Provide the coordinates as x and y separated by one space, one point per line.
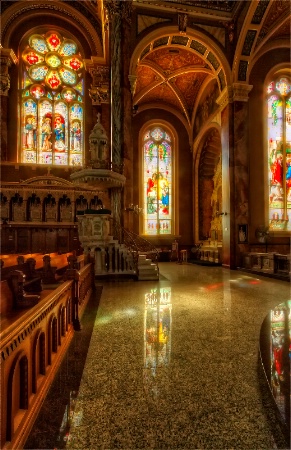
98 117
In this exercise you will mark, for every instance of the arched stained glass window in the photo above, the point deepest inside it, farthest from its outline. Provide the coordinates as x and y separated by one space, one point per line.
279 153
52 111
158 178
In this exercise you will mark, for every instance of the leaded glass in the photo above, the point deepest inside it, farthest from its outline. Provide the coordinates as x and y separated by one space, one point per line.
279 154
157 183
38 73
52 125
53 60
283 86
68 76
73 63
68 48
157 134
37 42
37 91
53 41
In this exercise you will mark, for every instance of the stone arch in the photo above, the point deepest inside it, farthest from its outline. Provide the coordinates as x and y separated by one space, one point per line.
207 154
196 35
17 19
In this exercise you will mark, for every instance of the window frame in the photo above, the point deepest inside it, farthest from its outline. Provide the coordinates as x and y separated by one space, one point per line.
276 225
24 42
167 127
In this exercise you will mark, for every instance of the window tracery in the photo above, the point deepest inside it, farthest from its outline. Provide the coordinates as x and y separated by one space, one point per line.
279 153
157 179
52 111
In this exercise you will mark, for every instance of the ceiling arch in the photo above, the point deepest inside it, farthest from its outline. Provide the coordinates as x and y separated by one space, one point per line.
171 69
87 25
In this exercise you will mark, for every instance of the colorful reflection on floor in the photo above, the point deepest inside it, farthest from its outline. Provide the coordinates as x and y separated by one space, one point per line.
276 336
157 334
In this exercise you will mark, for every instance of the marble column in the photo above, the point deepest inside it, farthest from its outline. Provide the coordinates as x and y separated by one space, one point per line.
117 12
128 86
114 9
241 163
7 58
235 170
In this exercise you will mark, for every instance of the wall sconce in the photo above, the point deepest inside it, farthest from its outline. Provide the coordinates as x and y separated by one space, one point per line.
134 208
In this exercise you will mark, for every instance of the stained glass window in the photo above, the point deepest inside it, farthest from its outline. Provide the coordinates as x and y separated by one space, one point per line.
157 177
52 111
279 153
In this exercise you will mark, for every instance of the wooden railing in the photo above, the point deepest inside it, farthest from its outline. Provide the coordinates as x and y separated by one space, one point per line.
32 344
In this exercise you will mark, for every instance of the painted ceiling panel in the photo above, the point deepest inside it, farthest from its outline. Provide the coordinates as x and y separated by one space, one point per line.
162 94
189 84
145 76
170 61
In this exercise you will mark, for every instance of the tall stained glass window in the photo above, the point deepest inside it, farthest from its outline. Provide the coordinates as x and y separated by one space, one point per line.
52 112
157 176
279 153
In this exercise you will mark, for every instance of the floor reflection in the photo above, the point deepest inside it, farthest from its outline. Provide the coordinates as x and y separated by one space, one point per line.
157 334
276 356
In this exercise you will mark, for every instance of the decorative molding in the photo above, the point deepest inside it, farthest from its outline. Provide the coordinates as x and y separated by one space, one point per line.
7 58
132 80
100 91
225 97
71 10
182 23
241 92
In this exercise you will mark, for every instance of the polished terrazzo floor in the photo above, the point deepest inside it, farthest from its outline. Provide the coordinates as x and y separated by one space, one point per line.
173 365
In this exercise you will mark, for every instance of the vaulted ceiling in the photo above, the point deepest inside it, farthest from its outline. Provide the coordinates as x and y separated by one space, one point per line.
171 72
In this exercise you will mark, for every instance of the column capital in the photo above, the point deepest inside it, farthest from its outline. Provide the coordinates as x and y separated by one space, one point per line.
7 58
238 92
118 7
241 92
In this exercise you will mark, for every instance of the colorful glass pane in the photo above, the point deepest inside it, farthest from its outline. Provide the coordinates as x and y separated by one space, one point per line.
76 112
52 128
53 42
29 157
157 183
38 43
76 160
73 63
26 81
271 87
68 48
53 60
30 125
37 91
80 87
67 76
52 79
283 86
157 134
32 57
279 153
76 136
38 73
68 94
60 127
